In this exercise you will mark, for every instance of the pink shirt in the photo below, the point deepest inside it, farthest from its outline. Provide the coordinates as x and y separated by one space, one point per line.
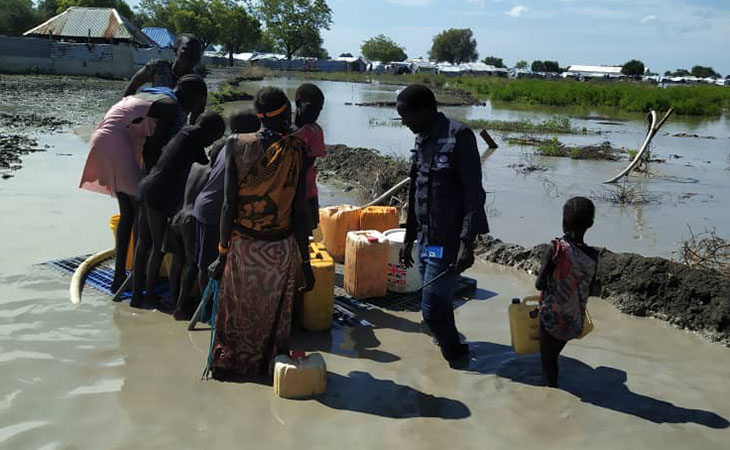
313 136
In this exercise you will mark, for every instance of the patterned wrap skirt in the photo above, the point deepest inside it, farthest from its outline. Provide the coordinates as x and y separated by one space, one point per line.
254 314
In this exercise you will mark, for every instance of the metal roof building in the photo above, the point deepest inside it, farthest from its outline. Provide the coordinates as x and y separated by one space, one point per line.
91 24
163 37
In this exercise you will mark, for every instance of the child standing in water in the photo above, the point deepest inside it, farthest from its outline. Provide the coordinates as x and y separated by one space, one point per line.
310 100
565 280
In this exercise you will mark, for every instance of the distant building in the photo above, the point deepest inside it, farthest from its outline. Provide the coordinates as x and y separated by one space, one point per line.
91 26
82 41
163 37
584 72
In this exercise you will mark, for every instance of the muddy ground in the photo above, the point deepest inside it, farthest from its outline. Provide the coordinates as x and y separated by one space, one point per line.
345 165
692 299
696 300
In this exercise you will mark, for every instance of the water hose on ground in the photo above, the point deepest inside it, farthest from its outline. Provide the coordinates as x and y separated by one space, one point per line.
77 281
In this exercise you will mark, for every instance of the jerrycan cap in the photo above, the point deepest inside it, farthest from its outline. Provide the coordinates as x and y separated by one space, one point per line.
372 239
516 301
298 354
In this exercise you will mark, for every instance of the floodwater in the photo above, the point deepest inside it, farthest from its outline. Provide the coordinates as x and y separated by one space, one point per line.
104 376
685 191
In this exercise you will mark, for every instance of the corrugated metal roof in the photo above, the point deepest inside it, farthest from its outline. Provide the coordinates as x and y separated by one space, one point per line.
595 69
162 36
93 23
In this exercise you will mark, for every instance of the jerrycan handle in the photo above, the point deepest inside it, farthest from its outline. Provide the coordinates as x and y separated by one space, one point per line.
531 300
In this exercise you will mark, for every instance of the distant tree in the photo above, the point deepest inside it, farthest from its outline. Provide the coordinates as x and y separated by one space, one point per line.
17 17
680 73
184 16
455 46
494 61
727 77
120 5
47 9
382 48
521 64
704 72
238 30
551 66
313 49
538 66
633 68
294 24
266 44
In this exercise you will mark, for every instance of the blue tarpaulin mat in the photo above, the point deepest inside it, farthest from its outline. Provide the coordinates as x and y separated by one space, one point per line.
100 278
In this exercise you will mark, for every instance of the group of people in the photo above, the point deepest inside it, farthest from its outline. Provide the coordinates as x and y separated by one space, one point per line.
243 212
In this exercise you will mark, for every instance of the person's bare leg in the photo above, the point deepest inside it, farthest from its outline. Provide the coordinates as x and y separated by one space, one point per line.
156 223
127 216
141 257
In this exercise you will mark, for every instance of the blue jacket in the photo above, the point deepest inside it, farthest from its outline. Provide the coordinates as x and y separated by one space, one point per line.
446 200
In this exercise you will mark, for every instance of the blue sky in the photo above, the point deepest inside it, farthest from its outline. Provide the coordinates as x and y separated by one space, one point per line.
665 34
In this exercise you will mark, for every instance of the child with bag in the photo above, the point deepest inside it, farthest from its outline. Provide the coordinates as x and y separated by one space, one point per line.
564 281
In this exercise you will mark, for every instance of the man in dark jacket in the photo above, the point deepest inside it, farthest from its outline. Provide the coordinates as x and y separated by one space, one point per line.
445 210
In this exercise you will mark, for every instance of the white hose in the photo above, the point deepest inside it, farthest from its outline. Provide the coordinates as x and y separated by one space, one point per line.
74 290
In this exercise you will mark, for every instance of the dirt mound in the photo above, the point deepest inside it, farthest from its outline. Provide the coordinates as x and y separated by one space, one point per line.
363 169
697 300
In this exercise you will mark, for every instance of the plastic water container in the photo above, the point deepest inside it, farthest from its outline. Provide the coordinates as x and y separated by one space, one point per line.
400 279
113 224
366 264
524 325
336 222
318 303
380 218
300 377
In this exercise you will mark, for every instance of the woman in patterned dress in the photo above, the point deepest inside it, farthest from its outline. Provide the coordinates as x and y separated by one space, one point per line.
263 247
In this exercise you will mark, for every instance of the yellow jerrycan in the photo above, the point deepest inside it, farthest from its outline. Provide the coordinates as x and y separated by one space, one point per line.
299 376
335 222
366 264
318 303
379 218
524 325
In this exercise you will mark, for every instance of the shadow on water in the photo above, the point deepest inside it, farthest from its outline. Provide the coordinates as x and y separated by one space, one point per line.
604 387
361 392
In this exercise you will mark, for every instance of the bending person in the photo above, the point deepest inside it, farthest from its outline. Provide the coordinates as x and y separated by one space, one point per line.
130 138
161 193
263 223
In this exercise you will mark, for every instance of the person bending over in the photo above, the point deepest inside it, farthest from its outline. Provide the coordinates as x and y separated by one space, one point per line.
161 194
209 203
564 281
127 143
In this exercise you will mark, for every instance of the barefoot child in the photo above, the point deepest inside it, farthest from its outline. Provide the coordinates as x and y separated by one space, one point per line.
162 193
565 280
310 100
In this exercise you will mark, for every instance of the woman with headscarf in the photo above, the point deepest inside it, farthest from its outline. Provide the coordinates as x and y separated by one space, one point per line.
264 240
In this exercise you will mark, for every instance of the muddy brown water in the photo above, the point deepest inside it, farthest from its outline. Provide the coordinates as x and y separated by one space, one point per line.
104 376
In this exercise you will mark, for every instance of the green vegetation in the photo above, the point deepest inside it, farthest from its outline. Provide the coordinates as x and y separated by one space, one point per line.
700 100
633 68
632 154
455 46
496 62
295 24
551 147
382 48
554 125
705 100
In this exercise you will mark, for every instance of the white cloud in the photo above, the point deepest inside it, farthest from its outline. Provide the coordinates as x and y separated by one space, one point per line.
517 11
647 19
